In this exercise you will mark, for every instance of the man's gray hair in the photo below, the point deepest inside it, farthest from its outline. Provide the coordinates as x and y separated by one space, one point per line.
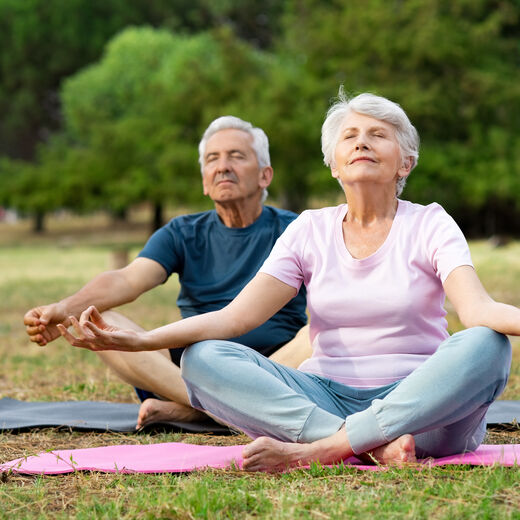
260 141
379 108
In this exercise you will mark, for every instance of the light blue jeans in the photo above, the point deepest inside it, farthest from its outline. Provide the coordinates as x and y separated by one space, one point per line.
442 403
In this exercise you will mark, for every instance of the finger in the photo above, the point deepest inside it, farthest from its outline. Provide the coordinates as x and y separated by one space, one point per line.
75 342
96 318
39 339
94 329
31 318
77 327
44 319
32 330
101 338
85 315
47 336
66 334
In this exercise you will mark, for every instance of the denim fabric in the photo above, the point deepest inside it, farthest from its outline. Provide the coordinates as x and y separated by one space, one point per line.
442 403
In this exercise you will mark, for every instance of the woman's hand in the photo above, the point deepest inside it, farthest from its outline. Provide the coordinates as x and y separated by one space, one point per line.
93 333
262 297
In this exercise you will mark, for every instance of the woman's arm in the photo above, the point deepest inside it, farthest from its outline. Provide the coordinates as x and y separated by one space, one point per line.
475 307
262 297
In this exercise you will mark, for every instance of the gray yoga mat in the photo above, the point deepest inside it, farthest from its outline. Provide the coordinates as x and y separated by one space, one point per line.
88 415
504 412
121 417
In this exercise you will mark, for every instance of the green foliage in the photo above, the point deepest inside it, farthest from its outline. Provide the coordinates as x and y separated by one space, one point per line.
44 41
132 120
286 103
454 68
138 114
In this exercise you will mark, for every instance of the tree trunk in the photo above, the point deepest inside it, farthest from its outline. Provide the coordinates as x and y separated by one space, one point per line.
294 200
119 215
158 216
39 222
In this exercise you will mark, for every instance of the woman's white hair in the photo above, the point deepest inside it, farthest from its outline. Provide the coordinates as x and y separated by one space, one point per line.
379 108
260 140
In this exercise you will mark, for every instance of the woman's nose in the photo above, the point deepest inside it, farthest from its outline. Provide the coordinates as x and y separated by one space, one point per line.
361 141
361 145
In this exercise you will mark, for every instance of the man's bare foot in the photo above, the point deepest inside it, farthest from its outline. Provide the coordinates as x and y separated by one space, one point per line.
399 451
155 410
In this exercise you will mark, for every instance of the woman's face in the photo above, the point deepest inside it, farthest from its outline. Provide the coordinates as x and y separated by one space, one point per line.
367 151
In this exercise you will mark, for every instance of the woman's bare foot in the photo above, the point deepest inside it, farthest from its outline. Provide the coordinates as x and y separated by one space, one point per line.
155 410
265 454
399 451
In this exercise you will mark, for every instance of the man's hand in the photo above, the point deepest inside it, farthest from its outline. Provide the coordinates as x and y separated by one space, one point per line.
41 323
93 333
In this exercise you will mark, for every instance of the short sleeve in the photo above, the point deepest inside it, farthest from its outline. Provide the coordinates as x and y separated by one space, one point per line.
285 260
162 247
444 242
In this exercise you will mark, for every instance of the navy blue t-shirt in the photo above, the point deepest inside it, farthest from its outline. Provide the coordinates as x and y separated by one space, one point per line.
215 262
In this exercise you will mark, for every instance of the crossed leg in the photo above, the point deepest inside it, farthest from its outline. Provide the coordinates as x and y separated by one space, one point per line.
298 418
266 454
153 371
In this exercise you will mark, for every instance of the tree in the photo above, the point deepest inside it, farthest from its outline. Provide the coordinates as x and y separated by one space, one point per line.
140 111
288 106
452 65
41 42
44 41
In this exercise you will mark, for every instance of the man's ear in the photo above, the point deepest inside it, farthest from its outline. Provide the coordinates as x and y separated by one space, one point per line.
266 177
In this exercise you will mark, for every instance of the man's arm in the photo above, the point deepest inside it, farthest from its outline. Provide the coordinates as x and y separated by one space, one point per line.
262 297
105 291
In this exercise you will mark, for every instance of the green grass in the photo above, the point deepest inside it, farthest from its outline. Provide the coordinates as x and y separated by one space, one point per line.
35 271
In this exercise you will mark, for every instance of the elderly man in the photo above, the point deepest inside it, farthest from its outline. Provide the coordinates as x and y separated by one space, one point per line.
215 253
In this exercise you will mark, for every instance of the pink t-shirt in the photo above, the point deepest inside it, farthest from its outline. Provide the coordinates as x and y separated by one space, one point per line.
373 320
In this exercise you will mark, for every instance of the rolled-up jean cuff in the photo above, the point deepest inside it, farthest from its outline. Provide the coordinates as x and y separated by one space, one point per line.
320 424
363 431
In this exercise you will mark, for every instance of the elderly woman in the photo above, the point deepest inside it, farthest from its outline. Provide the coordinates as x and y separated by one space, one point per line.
385 378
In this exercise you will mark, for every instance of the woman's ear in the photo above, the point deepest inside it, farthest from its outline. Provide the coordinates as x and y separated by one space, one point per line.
334 171
406 167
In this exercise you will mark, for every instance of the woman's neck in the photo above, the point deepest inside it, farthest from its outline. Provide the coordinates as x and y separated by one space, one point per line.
372 206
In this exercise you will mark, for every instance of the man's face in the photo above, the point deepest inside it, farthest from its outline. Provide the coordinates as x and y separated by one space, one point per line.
231 171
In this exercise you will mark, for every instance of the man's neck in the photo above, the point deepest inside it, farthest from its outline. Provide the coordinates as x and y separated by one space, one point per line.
238 214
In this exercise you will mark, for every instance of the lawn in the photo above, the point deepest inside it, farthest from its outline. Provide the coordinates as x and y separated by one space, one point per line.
38 270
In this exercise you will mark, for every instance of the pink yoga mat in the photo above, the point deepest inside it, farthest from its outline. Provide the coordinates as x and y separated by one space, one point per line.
175 457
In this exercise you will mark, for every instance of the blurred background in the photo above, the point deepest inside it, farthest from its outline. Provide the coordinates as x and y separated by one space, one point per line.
102 103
